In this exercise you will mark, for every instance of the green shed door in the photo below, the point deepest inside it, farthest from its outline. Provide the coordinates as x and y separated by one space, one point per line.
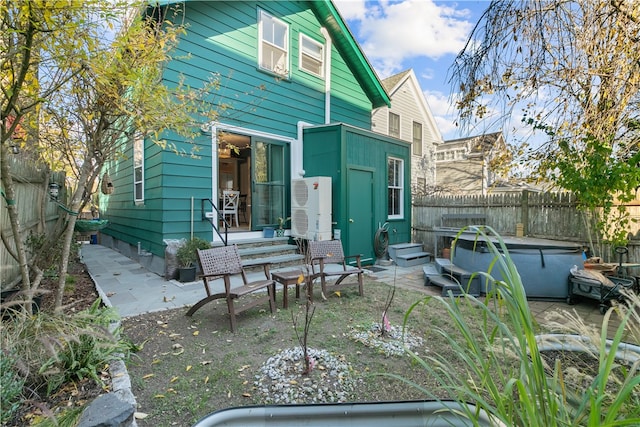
269 182
360 213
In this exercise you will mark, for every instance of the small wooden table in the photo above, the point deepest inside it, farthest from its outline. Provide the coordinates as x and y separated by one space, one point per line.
292 277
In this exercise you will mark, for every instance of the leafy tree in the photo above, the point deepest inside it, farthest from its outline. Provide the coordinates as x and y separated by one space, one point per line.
95 93
571 69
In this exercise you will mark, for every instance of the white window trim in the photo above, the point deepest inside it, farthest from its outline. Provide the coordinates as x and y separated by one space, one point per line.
261 41
413 138
399 187
389 124
304 37
138 139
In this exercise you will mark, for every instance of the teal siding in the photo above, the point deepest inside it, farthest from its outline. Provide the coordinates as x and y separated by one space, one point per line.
222 40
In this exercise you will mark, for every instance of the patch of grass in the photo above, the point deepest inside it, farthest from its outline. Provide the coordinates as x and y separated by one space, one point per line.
223 365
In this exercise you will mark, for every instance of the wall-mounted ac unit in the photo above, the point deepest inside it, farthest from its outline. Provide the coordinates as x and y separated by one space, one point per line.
311 208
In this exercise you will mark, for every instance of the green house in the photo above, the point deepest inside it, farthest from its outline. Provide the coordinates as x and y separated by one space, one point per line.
300 94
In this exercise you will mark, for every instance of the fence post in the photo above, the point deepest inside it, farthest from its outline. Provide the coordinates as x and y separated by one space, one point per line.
525 212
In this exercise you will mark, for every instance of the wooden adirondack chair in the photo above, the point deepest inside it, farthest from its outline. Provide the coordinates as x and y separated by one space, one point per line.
224 262
328 260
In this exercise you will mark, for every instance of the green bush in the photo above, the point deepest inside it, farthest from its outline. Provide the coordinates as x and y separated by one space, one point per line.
58 348
187 254
11 384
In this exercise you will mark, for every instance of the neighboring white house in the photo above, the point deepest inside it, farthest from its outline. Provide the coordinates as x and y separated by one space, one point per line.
464 165
410 119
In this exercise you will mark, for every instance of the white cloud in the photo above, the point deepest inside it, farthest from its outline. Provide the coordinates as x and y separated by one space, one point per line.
393 32
351 9
443 113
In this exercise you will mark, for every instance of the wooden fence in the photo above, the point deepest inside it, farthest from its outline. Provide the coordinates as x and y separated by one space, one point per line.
542 215
36 212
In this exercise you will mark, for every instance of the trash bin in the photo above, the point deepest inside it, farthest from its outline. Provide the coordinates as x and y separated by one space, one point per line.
94 239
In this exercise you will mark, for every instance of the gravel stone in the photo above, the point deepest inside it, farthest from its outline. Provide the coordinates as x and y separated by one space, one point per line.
392 343
280 380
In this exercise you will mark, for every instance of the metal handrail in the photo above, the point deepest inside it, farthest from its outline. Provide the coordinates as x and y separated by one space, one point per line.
219 216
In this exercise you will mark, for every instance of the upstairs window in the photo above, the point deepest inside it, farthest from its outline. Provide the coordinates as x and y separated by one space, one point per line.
417 139
394 125
396 188
138 168
274 44
311 56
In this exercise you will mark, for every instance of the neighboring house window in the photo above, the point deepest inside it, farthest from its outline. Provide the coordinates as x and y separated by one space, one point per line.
440 156
396 189
417 139
394 125
274 44
311 56
138 168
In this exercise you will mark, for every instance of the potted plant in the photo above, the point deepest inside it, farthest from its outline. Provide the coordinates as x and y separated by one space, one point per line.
187 258
281 223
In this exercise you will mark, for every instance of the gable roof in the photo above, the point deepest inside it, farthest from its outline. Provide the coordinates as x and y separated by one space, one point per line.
394 83
477 144
329 17
391 84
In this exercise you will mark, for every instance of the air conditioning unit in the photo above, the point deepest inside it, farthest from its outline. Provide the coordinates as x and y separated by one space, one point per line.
311 208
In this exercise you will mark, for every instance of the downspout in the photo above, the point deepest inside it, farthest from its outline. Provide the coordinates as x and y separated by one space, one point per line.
297 170
327 76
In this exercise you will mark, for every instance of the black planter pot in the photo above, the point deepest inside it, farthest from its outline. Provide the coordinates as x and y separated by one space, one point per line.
187 274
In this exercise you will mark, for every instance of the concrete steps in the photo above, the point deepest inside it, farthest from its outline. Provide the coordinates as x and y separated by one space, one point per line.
277 250
408 254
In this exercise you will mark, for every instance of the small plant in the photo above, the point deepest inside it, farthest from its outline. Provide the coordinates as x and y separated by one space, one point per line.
283 221
308 361
385 325
11 384
53 349
187 254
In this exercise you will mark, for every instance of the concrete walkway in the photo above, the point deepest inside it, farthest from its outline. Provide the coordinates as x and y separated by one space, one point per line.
133 290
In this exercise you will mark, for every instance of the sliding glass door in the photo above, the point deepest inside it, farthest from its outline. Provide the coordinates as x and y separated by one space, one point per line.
270 182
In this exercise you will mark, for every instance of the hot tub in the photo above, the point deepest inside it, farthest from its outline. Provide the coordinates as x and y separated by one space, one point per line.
543 265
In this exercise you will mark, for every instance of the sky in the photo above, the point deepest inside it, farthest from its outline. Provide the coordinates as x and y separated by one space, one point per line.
425 35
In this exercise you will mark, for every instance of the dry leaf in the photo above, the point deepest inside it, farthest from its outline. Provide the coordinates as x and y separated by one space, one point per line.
176 346
196 333
159 396
206 380
179 352
242 368
174 379
148 376
173 335
246 395
140 415
206 362
188 368
293 382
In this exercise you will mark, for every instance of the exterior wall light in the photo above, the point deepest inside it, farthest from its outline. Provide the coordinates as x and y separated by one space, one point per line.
54 189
